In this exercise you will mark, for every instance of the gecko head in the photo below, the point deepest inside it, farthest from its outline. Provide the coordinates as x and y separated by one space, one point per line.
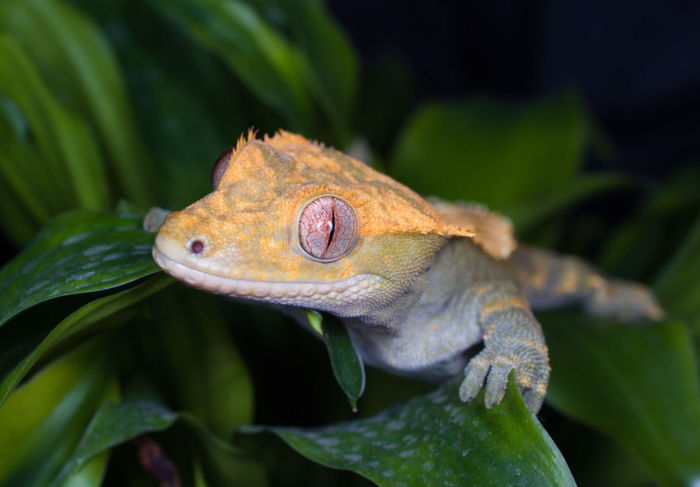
293 222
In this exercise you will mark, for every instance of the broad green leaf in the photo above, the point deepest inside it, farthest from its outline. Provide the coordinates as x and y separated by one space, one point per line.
678 287
347 365
436 440
76 252
42 422
25 347
194 361
77 62
70 162
638 385
260 57
491 152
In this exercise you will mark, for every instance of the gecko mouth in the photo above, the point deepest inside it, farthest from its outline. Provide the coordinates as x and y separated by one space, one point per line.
324 296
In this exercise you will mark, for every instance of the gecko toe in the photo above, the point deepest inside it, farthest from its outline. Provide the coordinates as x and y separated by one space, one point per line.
474 375
496 383
533 400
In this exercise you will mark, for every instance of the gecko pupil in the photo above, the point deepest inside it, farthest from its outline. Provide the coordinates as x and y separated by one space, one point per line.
327 228
332 232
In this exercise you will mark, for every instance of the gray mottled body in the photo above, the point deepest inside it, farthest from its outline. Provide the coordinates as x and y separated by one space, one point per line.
466 296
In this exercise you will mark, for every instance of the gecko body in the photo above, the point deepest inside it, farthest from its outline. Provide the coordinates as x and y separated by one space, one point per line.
420 284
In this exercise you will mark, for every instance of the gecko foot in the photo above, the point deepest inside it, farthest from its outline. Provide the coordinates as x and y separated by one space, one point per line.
625 301
494 363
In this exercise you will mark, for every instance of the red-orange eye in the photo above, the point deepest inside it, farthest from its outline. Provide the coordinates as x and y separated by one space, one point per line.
327 228
220 167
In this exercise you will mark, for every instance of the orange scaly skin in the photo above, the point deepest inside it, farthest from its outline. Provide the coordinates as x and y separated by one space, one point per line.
420 284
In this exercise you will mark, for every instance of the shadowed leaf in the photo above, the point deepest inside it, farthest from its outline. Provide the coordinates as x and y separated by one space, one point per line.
117 423
77 62
491 152
66 161
260 57
26 346
678 287
345 360
638 385
43 420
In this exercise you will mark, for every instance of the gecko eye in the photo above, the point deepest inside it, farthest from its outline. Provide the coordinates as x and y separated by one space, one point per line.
327 228
220 167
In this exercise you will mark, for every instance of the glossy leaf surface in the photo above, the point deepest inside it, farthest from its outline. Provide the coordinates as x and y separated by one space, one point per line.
76 252
436 440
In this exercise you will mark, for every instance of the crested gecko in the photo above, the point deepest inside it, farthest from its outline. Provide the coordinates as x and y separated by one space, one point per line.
419 283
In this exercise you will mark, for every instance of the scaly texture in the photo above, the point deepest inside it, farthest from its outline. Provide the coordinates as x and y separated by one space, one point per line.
418 284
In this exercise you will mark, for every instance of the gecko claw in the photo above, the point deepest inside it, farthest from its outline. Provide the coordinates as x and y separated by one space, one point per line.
531 369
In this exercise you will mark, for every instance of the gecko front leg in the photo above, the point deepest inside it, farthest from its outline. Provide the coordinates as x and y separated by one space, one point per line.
513 341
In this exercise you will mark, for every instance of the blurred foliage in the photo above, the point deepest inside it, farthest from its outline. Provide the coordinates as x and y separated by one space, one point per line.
114 101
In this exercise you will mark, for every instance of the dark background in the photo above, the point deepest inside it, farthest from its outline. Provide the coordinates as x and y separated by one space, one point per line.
635 64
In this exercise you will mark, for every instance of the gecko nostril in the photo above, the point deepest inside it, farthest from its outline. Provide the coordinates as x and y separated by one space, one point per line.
196 246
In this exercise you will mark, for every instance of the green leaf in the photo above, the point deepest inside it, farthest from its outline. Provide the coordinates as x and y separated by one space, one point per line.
331 56
43 420
315 320
194 361
17 224
260 57
28 345
678 287
70 162
116 423
347 365
437 440
491 152
222 463
663 219
638 385
185 148
332 63
90 475
76 60
77 252
527 213
17 164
